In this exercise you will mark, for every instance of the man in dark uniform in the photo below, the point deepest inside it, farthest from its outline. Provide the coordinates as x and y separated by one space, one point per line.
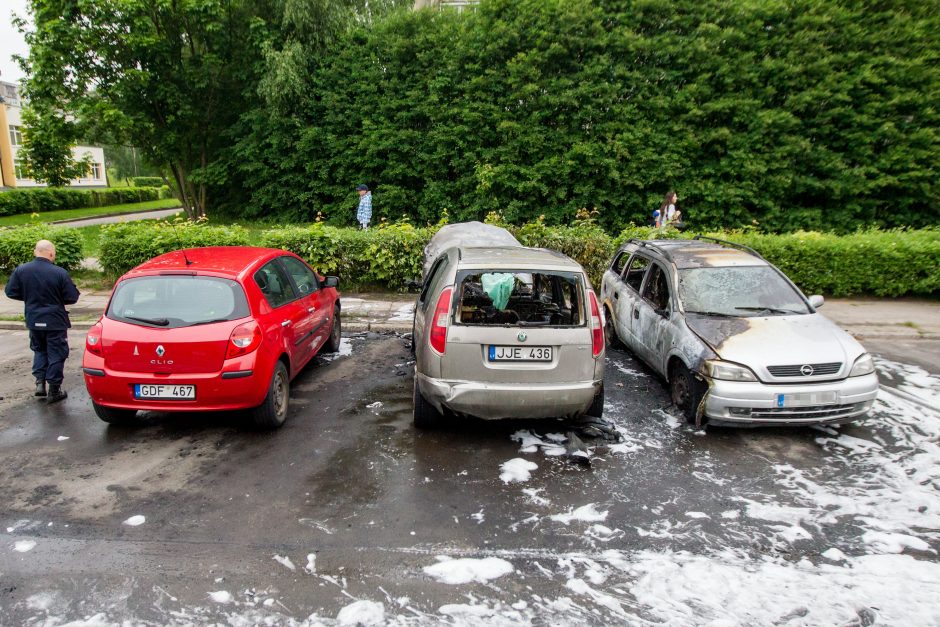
45 289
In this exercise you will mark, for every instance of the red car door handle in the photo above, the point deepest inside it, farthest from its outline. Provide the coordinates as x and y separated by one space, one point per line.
286 323
311 309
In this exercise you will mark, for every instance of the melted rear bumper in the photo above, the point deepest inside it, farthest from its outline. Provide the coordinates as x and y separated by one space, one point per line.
495 401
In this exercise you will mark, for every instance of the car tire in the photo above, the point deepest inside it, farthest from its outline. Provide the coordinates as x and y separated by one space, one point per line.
610 331
596 410
114 416
425 415
336 333
685 392
272 412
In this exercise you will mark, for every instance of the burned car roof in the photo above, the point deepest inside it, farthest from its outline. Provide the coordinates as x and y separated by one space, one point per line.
519 257
696 254
465 234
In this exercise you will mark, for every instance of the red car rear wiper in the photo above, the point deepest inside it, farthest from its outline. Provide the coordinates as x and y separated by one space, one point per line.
196 324
159 322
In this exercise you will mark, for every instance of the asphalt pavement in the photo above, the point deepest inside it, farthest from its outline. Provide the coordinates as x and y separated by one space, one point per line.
348 515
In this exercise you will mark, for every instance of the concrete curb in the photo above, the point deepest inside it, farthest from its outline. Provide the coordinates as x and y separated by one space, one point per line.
378 327
353 326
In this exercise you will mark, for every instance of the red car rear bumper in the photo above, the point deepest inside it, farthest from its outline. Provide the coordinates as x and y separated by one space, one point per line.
239 385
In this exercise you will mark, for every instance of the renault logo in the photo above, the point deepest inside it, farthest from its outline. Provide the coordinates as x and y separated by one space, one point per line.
522 337
807 370
161 351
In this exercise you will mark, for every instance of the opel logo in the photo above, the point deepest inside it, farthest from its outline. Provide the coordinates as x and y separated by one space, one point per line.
806 370
522 336
161 351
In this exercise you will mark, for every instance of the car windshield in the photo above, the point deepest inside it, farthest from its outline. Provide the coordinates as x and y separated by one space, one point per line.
738 291
172 301
521 298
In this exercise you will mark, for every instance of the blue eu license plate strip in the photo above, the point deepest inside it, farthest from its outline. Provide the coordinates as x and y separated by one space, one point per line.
780 400
492 353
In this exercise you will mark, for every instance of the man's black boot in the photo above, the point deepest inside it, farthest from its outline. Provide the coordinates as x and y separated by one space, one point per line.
56 393
40 388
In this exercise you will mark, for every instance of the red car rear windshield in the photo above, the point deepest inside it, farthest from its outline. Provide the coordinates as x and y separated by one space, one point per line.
172 301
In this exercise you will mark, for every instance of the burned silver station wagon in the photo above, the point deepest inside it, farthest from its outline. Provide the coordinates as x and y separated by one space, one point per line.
737 341
504 331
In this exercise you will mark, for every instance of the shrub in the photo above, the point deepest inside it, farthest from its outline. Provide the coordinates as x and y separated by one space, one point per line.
873 262
42 199
17 244
385 256
128 244
878 263
147 181
586 243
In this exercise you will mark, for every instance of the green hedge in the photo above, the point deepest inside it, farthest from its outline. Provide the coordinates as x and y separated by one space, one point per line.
128 244
813 114
147 181
17 244
877 263
385 256
42 199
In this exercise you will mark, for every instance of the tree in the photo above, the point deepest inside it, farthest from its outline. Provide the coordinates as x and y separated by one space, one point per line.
47 148
125 162
173 76
169 76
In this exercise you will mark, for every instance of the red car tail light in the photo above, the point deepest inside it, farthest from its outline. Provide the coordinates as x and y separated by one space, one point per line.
438 335
245 338
597 327
93 340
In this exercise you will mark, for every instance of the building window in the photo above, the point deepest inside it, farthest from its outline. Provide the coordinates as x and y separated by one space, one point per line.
19 169
96 171
9 94
16 135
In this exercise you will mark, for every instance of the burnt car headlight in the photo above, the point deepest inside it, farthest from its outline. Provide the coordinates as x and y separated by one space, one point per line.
862 366
727 371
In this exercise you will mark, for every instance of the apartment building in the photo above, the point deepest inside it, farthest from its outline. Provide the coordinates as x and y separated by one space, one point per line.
11 140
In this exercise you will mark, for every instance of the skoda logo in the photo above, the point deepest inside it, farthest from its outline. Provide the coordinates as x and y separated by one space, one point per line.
806 370
522 336
161 351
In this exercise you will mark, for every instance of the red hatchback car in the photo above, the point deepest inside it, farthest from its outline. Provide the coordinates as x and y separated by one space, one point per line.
210 329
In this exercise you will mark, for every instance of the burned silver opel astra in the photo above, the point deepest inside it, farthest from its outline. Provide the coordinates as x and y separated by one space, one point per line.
737 341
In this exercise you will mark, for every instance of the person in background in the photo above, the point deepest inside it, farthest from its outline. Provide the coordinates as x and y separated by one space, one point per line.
667 209
657 218
45 290
364 212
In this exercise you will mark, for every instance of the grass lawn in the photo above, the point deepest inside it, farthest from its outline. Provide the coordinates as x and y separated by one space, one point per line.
88 212
91 234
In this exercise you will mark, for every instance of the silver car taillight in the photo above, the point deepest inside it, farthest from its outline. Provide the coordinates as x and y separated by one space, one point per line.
597 327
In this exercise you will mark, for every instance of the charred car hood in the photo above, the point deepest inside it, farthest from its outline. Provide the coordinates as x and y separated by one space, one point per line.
759 342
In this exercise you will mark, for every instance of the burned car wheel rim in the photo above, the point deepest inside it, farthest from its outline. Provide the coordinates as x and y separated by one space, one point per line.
680 389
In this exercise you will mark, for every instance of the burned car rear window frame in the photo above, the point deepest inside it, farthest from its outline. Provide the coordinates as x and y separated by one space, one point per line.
575 278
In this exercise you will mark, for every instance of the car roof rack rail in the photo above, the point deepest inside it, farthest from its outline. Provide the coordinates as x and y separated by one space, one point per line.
725 242
647 244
